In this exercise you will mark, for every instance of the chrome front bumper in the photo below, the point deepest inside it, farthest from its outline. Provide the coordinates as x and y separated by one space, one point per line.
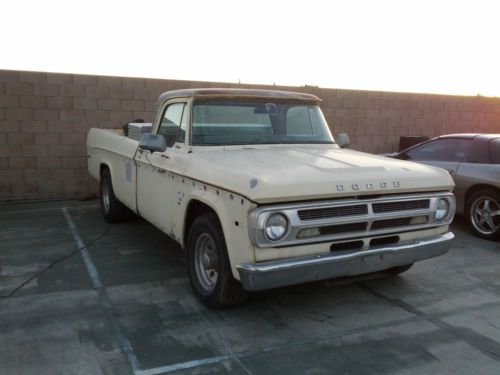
273 274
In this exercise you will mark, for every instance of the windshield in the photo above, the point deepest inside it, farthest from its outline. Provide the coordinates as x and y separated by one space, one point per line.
257 122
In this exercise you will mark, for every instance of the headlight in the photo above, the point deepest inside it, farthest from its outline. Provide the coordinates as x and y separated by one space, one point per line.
442 209
276 226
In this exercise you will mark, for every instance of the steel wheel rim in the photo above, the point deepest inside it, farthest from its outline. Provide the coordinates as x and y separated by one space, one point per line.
485 215
206 261
106 196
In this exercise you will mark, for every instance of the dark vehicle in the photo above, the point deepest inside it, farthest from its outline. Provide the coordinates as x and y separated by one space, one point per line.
473 160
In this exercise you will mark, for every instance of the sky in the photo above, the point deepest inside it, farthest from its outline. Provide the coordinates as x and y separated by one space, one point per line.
439 46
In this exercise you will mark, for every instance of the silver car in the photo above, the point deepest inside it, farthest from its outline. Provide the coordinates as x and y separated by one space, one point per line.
473 160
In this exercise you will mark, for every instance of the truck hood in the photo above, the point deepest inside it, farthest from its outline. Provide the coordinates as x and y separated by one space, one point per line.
277 174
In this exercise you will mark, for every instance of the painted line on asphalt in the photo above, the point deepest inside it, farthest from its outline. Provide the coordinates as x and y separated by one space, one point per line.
104 299
45 209
184 365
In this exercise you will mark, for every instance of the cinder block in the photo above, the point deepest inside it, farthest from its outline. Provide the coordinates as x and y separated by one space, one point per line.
74 162
133 105
8 151
34 150
36 175
60 126
2 113
46 114
29 126
33 77
11 175
60 150
10 126
20 139
83 79
9 101
134 82
96 116
97 91
4 162
162 84
24 189
62 174
146 116
73 90
22 163
85 103
122 92
73 138
48 139
59 79
18 88
72 115
80 150
46 90
49 162
33 101
50 188
19 114
109 81
3 139
121 117
9 76
109 104
60 102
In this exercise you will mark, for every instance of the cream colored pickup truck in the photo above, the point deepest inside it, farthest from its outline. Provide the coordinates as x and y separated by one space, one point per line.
254 187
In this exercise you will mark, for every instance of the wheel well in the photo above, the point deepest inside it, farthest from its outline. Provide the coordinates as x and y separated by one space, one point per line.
195 209
102 168
477 187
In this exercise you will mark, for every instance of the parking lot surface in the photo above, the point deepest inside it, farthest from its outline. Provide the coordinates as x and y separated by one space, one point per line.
124 306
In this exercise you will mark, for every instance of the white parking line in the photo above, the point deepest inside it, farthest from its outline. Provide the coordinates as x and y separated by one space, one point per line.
44 209
103 296
184 365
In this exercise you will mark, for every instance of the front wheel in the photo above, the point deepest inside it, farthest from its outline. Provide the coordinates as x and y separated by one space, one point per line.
483 214
208 264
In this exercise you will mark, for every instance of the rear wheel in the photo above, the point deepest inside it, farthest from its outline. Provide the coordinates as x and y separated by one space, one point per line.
112 209
209 268
483 214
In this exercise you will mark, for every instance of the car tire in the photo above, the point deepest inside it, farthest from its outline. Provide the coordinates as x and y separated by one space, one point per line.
399 269
208 265
112 209
483 213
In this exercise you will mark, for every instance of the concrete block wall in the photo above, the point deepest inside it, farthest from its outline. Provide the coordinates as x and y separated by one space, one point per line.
44 119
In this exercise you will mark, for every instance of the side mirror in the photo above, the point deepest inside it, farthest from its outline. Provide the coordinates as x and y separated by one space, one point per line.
153 142
342 140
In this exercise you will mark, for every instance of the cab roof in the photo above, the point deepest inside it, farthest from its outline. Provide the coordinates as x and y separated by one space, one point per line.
238 94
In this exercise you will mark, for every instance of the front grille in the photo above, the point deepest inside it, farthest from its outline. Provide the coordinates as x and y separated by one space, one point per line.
328 212
421 204
343 228
391 223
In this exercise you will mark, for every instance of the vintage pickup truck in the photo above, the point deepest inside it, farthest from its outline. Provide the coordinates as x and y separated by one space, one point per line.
254 187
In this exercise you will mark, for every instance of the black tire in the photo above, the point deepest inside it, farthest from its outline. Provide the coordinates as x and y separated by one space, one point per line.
479 216
219 291
112 209
399 269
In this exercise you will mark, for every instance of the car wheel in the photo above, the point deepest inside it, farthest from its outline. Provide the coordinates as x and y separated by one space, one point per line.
483 213
112 209
208 264
397 270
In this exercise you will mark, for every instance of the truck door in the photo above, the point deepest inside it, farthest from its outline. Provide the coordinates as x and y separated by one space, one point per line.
156 191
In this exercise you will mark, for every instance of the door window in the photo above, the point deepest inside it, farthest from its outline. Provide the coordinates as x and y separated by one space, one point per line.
444 149
495 150
170 126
